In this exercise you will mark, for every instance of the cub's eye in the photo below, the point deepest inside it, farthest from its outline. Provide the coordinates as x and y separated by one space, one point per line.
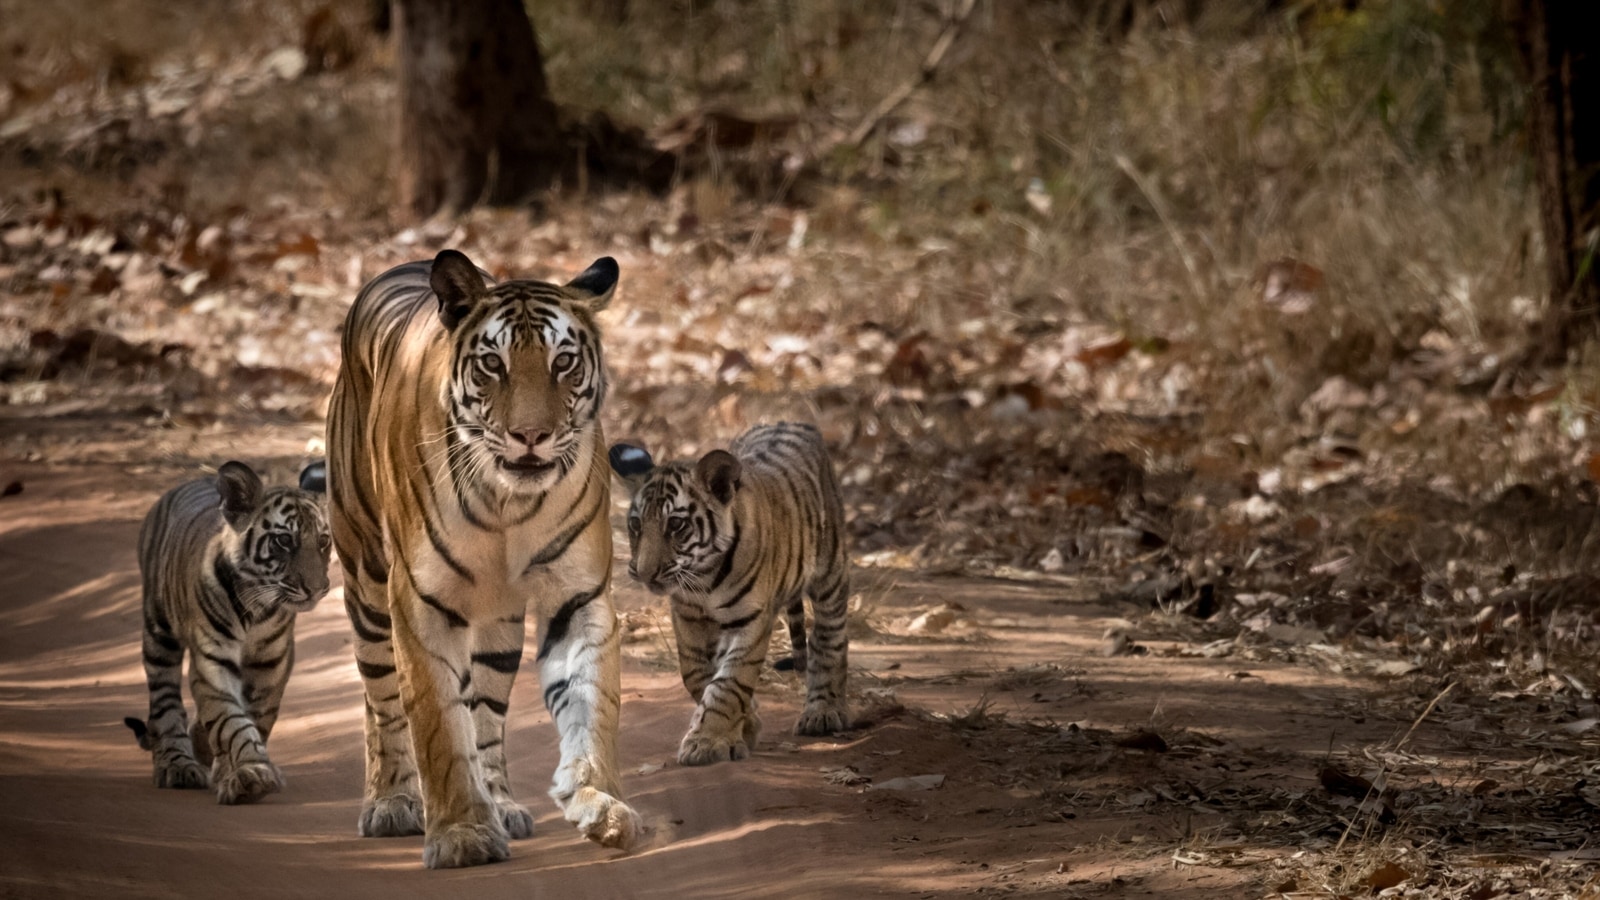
563 362
283 543
633 526
324 542
492 363
677 526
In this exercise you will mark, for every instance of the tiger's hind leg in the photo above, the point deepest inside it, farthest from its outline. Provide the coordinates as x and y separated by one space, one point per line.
392 804
826 709
496 657
795 615
171 747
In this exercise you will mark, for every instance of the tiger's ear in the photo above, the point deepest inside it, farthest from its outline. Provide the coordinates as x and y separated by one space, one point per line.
314 477
458 284
240 488
719 472
631 463
597 283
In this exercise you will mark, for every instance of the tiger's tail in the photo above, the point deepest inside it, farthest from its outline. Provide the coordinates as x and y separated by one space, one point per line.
141 732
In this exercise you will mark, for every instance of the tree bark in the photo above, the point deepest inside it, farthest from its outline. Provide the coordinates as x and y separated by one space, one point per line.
1560 54
477 124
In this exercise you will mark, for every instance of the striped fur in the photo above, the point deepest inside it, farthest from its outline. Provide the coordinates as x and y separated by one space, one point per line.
734 538
227 563
468 489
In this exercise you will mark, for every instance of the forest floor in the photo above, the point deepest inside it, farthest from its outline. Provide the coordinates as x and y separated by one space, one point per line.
1077 744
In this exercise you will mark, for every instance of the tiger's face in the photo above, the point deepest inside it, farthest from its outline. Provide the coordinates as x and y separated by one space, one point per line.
280 560
681 527
527 379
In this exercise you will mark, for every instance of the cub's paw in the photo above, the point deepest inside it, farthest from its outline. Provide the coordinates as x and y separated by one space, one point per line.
515 817
393 816
604 819
465 844
705 749
184 774
822 718
248 782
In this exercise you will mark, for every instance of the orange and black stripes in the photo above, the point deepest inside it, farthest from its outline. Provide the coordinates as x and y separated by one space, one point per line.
227 563
735 537
467 487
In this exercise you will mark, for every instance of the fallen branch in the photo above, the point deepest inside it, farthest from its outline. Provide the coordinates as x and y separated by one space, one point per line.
930 67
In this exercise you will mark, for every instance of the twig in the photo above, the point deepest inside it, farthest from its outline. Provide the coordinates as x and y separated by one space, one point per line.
1160 206
930 67
1435 702
1384 770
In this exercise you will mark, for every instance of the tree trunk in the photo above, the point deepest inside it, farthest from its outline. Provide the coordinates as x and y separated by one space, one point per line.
477 123
1560 54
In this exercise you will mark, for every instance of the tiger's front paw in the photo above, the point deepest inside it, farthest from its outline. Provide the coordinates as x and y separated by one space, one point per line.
183 774
515 817
248 782
465 844
820 717
395 816
700 749
604 819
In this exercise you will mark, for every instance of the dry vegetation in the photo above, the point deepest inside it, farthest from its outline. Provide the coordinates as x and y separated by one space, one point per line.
1230 313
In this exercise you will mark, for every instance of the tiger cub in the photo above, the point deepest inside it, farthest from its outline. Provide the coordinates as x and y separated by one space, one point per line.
734 538
227 563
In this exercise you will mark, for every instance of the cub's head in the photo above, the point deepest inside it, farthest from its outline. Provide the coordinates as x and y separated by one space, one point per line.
280 558
526 376
680 524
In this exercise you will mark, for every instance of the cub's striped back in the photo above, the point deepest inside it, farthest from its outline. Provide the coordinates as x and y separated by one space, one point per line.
734 537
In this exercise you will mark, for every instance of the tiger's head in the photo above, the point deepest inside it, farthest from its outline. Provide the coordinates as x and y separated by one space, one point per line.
279 546
526 376
680 522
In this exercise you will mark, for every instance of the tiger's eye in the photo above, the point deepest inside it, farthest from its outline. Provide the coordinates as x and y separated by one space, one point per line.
563 362
677 525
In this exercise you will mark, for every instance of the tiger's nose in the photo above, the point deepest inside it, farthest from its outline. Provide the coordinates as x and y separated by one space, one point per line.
530 436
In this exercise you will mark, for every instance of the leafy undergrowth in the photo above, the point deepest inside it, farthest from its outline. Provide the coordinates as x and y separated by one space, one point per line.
1246 353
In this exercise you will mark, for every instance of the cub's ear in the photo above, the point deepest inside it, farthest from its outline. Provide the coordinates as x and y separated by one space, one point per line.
719 472
240 488
597 283
631 463
314 477
458 284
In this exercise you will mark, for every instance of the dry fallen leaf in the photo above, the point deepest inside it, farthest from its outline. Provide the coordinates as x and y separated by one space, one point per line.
1387 876
1289 285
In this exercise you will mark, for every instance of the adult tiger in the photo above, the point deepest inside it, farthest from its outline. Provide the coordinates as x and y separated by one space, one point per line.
735 537
468 485
227 563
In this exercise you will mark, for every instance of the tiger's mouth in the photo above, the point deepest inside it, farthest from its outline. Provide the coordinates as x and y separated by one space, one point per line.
304 601
528 466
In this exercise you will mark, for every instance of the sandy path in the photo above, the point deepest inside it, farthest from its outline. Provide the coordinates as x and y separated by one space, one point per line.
79 817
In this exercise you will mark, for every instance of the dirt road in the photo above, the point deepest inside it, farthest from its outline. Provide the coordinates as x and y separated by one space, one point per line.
1066 772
